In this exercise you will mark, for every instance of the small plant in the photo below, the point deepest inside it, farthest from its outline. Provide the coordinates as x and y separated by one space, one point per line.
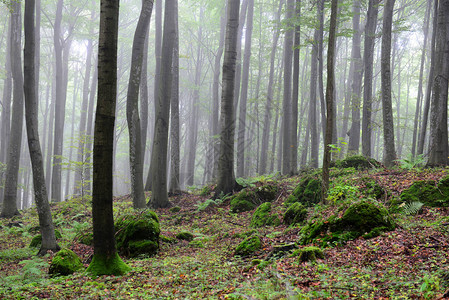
411 162
412 208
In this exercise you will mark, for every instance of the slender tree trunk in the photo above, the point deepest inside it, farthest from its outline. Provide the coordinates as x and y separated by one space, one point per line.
72 136
320 16
368 57
159 197
238 61
32 126
438 142
9 208
313 100
132 106
387 110
226 178
90 129
295 93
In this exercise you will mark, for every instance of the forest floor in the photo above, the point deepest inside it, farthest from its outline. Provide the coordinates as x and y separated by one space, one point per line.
410 262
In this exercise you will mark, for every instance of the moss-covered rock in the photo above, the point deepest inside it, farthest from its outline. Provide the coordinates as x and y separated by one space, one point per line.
428 192
185 235
308 254
36 242
267 192
167 239
295 214
263 217
248 246
307 192
363 218
102 265
371 188
196 243
65 262
138 234
245 200
357 162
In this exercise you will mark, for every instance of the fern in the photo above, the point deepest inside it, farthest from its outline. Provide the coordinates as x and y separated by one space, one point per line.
411 208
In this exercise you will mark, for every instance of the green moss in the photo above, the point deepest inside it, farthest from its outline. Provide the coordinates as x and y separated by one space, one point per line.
206 190
428 192
197 243
296 213
102 265
185 235
357 162
371 188
267 192
142 247
175 209
243 201
36 242
65 262
167 239
309 254
142 226
307 192
263 217
248 246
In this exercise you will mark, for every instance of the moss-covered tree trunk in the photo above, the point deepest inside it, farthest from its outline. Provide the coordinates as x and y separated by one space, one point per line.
105 260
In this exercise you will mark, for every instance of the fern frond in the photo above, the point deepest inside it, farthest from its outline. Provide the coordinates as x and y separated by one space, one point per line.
412 208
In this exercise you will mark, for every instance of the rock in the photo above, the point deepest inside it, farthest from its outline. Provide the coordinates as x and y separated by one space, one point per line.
307 192
263 217
358 162
308 254
295 214
185 235
243 201
428 192
138 234
267 192
248 246
65 262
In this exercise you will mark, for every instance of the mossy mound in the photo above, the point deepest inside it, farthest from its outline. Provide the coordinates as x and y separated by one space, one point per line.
138 234
65 262
295 214
263 217
196 243
102 265
248 246
371 188
307 192
245 200
85 238
267 192
309 254
363 218
358 162
185 235
428 192
36 242
175 209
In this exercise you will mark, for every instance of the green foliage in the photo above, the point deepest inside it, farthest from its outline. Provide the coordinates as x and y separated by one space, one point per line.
201 206
340 191
412 162
133 229
37 240
16 254
295 214
102 265
175 209
65 262
427 192
358 162
196 243
248 246
411 208
267 192
185 235
307 192
308 254
243 201
263 217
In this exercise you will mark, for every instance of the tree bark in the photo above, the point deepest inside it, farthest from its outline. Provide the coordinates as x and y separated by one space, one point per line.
387 110
295 93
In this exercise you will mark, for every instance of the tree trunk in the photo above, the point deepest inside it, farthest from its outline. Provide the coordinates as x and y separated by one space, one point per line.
295 93
238 60
159 197
32 126
132 106
387 110
226 178
105 260
438 143
9 208
313 100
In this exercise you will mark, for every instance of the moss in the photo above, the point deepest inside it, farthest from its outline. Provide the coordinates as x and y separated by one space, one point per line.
36 242
267 192
206 190
142 226
263 217
175 209
371 188
185 235
142 247
248 246
102 265
167 239
309 254
357 162
85 238
65 262
307 192
197 243
243 201
428 192
296 213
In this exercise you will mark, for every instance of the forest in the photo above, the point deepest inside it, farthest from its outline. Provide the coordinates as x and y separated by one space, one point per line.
234 149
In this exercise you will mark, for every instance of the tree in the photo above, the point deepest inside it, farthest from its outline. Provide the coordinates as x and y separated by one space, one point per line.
105 260
368 57
295 92
132 105
32 126
226 178
9 208
159 197
329 100
387 110
438 142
